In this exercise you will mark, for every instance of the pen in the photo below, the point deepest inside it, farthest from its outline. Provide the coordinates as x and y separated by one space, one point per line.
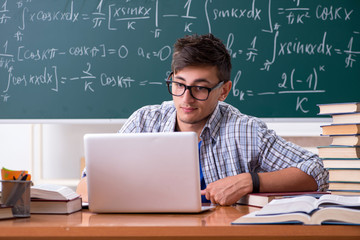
21 175
17 190
24 177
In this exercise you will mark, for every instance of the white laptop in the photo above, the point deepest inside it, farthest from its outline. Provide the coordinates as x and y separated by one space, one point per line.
143 172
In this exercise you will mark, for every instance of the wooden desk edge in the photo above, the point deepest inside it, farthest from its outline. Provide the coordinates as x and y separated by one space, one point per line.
208 232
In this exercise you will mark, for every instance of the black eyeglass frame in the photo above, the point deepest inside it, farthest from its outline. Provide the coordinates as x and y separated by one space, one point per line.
168 82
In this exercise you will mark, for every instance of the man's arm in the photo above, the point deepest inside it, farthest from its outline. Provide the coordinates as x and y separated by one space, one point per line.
229 190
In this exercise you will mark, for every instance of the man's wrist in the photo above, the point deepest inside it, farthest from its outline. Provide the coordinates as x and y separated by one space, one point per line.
255 182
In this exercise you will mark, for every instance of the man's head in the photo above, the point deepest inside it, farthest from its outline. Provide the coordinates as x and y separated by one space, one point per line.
201 77
202 50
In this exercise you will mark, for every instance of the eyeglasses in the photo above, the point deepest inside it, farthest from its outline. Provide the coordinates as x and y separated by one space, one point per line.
198 92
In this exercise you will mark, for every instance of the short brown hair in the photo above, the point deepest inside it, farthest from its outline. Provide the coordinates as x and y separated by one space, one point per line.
197 50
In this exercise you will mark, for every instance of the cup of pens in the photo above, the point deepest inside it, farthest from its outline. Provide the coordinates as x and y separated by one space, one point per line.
16 194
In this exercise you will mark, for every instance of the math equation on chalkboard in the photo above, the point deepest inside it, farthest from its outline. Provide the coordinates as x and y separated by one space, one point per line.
103 59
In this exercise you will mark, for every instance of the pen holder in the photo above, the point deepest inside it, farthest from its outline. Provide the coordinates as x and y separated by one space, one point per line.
16 194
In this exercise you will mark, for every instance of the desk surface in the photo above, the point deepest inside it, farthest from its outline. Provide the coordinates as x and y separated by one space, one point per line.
214 224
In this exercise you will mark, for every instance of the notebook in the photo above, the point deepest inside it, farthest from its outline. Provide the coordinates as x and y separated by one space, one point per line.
143 172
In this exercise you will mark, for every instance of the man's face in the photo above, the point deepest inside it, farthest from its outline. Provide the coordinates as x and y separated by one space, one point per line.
192 111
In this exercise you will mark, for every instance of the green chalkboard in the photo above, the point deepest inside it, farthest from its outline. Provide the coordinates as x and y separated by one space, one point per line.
103 59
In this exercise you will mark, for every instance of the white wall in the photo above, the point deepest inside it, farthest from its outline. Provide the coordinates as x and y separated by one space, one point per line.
52 152
63 148
16 146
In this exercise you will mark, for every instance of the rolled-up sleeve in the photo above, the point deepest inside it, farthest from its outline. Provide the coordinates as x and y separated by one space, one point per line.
277 153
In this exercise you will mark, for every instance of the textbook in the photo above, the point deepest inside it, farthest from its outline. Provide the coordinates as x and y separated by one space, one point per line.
346 192
349 140
45 206
261 199
5 212
341 129
339 151
344 118
341 162
344 174
332 108
344 186
52 192
328 209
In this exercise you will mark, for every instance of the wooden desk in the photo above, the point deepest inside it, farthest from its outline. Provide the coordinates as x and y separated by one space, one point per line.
210 225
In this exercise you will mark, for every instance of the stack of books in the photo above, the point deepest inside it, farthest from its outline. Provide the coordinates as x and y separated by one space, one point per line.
54 199
342 156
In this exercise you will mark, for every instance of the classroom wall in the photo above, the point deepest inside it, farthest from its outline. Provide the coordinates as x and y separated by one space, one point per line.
52 152
15 146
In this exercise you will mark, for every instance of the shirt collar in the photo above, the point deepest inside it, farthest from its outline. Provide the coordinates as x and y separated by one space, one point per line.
170 125
212 126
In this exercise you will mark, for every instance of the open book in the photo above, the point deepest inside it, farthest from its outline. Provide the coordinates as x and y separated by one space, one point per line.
261 199
53 192
328 209
54 199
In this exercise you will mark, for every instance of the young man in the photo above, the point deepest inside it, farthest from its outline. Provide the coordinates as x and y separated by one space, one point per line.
238 154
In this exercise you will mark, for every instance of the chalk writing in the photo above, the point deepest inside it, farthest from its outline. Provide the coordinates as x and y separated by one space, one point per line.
290 53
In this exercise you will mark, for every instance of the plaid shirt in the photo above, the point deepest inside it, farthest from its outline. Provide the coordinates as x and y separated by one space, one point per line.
233 143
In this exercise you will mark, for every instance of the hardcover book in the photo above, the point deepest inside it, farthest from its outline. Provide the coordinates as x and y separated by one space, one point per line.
341 129
341 162
340 185
339 151
346 118
344 174
54 199
5 212
332 108
346 192
261 199
344 186
46 206
346 140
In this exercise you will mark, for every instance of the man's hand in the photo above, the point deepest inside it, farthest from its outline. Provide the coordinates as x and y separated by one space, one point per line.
228 190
